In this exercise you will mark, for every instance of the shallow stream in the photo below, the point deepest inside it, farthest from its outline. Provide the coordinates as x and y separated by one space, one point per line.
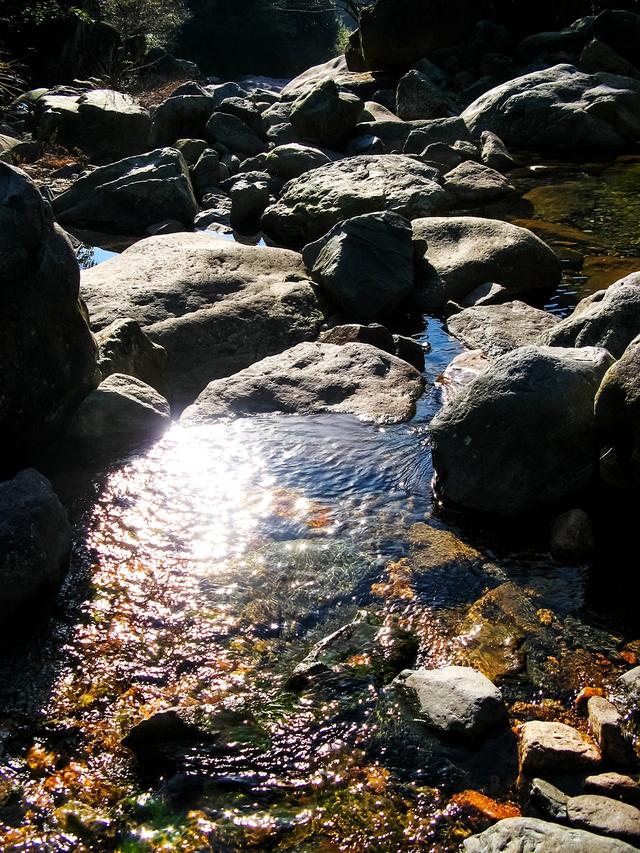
206 568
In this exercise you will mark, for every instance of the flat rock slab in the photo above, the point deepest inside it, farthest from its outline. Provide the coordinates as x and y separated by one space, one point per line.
530 835
353 378
554 748
605 816
216 306
497 329
456 700
312 204
469 251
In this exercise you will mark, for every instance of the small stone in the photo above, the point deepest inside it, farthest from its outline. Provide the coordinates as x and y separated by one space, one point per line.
614 785
456 700
549 800
554 748
605 816
606 727
572 537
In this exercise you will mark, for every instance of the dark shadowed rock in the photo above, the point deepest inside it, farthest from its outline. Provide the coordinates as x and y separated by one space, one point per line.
572 537
121 413
493 152
560 107
205 173
47 352
103 124
128 196
35 540
326 115
609 318
216 306
497 329
618 410
520 834
312 377
364 265
318 200
417 97
231 132
468 251
481 465
124 348
378 336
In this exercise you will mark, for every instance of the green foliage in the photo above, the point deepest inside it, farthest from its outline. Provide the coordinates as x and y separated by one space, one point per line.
21 15
157 20
228 38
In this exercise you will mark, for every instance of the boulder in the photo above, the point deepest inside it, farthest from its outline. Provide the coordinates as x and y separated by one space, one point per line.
249 193
47 352
609 318
554 748
355 379
519 834
598 56
618 410
191 150
473 184
120 414
395 33
35 541
405 348
128 196
417 97
364 85
291 161
326 115
246 111
318 200
419 134
498 329
560 107
468 251
605 817
456 700
614 785
205 173
364 265
216 306
605 723
493 152
103 124
231 132
124 348
522 435
181 116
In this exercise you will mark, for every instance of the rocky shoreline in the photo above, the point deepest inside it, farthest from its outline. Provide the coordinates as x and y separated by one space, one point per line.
382 187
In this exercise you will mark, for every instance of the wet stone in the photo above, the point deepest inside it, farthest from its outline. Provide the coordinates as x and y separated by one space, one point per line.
554 748
606 727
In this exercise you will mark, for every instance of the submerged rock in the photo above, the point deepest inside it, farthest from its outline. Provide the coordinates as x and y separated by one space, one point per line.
313 377
35 541
128 196
47 352
318 200
544 456
365 265
468 251
216 306
517 834
560 107
498 329
456 700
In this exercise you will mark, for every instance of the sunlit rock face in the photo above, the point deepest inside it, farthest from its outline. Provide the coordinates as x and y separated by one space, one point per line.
214 305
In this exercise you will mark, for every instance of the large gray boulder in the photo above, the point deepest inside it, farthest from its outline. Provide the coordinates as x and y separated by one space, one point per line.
315 202
103 124
531 835
47 353
618 411
417 97
560 107
236 136
120 414
456 700
35 540
354 378
497 329
362 84
609 318
291 161
468 251
326 114
365 265
522 435
128 196
216 306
